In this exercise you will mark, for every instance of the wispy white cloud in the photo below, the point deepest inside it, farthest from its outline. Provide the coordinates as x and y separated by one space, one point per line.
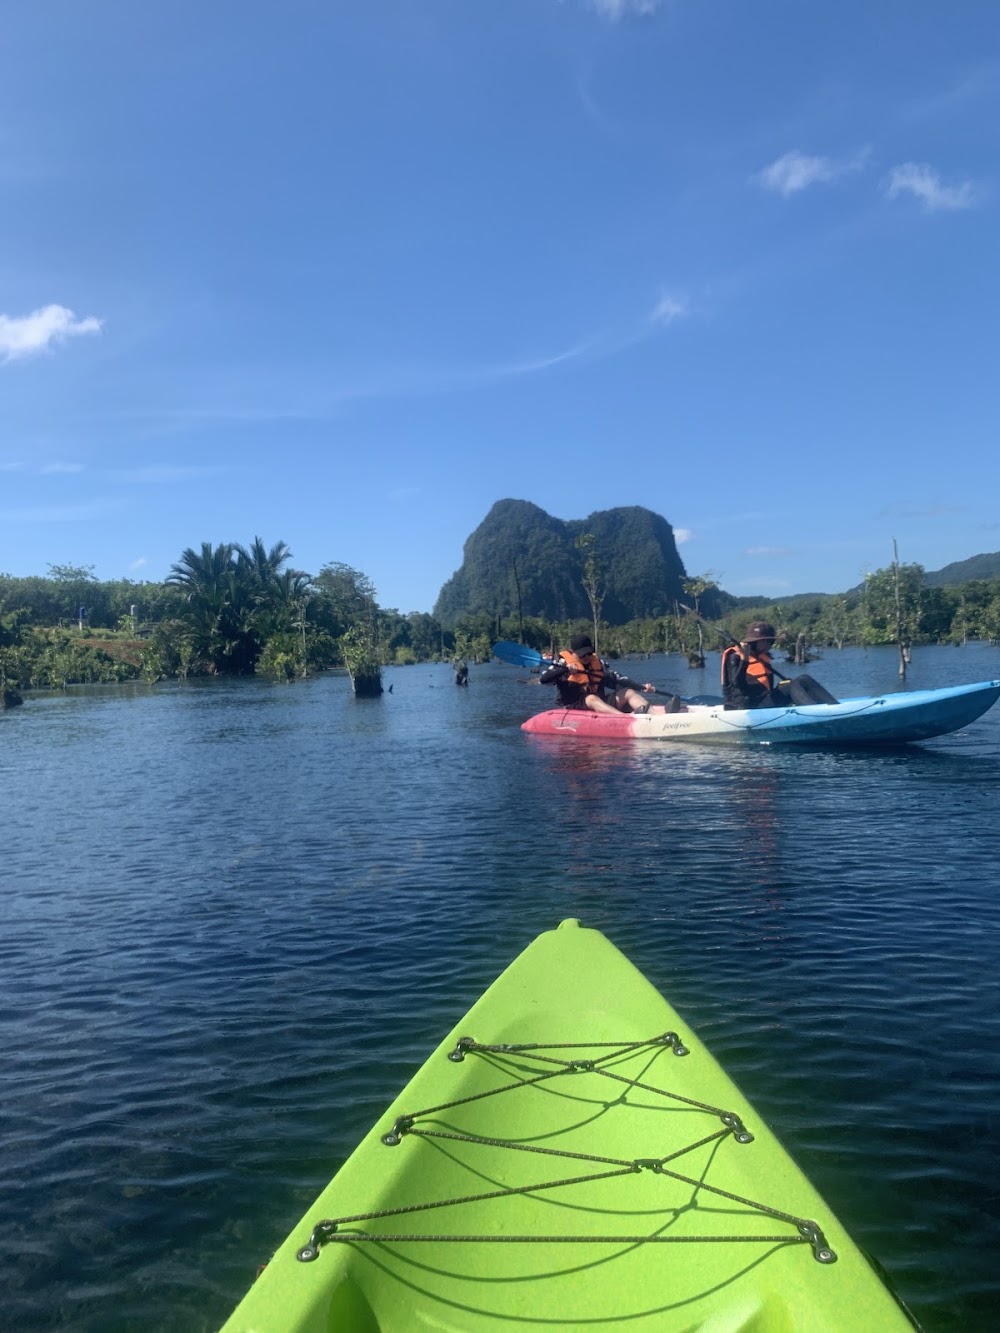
27 335
924 183
620 9
756 585
927 511
337 393
782 551
419 381
975 84
404 492
682 535
727 520
334 396
139 562
667 309
155 474
60 513
42 469
542 363
795 171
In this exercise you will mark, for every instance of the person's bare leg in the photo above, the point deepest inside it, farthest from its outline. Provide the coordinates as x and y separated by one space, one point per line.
631 701
597 705
638 703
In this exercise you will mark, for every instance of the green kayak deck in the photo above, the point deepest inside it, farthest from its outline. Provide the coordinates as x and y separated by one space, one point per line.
570 1157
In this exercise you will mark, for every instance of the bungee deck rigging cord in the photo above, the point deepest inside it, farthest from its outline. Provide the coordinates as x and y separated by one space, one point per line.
804 1230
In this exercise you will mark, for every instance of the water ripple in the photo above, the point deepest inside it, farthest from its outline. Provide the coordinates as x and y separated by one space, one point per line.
237 916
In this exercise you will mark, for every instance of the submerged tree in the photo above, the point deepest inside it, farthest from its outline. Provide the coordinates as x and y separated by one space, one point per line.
10 638
892 605
353 616
593 580
696 586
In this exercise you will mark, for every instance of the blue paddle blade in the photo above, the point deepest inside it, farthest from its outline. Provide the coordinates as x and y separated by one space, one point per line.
518 655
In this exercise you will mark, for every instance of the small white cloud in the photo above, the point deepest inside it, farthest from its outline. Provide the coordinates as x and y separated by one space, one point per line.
139 562
404 492
682 535
924 183
51 469
667 309
11 467
795 171
26 335
619 9
769 550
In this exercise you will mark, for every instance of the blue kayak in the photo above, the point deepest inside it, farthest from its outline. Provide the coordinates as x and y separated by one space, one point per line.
884 719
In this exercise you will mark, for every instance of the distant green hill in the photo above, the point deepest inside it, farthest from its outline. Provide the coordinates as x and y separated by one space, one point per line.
518 546
961 571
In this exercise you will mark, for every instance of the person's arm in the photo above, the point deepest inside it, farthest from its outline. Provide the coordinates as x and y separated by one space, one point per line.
736 667
734 686
614 680
553 674
620 682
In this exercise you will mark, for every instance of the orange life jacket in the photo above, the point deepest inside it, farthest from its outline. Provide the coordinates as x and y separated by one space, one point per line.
590 677
759 668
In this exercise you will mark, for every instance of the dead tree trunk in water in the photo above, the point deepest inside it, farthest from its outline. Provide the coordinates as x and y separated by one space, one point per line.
904 648
367 684
696 660
520 613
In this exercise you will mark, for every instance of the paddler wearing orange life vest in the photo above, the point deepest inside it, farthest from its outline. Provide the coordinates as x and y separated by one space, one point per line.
583 681
750 681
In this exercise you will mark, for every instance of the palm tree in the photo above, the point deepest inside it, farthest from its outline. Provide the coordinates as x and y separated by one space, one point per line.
204 578
222 594
196 572
280 608
236 598
260 567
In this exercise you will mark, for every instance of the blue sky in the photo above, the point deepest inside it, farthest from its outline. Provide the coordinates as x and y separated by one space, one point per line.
346 274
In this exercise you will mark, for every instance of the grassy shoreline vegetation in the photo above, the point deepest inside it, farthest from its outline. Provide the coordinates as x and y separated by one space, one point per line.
234 610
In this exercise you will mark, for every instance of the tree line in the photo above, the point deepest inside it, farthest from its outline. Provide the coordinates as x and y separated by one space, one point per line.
232 610
224 609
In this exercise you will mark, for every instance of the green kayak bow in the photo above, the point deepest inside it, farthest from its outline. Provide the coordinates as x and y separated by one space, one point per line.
571 1157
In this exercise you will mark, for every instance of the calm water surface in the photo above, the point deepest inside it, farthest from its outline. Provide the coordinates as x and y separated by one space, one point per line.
236 916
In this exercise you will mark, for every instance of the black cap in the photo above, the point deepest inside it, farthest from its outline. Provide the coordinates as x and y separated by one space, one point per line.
579 641
760 629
